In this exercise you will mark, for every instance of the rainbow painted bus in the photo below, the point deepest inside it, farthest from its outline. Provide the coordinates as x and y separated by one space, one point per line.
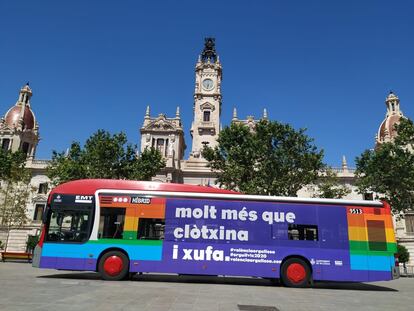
118 227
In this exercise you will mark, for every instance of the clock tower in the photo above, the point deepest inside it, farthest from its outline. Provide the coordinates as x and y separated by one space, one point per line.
207 99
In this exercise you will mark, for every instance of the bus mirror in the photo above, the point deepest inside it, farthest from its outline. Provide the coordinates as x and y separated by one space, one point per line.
45 213
59 220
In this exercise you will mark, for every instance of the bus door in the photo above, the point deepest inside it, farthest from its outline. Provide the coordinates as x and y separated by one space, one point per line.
334 259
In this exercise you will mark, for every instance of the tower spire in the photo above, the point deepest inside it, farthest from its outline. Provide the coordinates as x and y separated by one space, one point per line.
344 164
209 53
147 113
393 104
265 114
234 114
177 112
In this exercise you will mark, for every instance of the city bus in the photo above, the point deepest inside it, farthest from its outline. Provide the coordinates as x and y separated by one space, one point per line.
120 227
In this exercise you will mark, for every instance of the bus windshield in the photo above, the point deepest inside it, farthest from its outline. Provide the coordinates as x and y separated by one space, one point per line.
69 225
68 220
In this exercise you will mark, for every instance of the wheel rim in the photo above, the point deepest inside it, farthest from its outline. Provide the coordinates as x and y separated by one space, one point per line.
113 265
296 273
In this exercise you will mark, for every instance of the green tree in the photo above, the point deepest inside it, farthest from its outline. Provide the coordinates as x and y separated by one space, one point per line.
11 163
104 156
388 170
274 159
403 254
328 185
31 243
14 190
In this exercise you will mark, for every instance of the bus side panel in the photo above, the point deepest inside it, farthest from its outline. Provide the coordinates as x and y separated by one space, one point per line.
235 238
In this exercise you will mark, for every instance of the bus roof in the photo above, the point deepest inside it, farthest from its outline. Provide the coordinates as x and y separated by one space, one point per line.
91 186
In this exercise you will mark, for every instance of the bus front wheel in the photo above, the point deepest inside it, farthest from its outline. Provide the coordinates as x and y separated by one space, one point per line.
295 272
113 266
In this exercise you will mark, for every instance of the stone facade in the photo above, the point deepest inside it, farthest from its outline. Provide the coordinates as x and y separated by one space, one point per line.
167 136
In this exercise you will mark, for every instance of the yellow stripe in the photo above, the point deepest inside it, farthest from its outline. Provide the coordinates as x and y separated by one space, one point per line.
390 235
130 224
357 233
360 234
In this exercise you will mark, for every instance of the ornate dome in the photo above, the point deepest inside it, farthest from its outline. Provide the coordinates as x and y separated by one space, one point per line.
386 131
21 115
12 117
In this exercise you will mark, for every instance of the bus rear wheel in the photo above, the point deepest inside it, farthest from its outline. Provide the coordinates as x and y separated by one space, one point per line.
295 272
113 266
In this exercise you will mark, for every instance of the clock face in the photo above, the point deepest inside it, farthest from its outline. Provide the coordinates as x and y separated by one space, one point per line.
208 84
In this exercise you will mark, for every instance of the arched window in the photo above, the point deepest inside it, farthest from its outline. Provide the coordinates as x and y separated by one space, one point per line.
25 147
206 116
5 144
160 145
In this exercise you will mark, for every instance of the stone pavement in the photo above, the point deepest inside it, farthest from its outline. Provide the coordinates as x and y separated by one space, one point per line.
25 288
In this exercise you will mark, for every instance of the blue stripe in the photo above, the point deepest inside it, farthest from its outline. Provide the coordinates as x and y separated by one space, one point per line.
372 263
135 252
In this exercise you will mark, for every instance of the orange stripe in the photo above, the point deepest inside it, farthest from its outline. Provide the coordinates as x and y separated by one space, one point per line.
359 220
356 220
386 219
151 211
128 204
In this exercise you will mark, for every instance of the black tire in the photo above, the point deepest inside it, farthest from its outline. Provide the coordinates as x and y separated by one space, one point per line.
295 272
117 274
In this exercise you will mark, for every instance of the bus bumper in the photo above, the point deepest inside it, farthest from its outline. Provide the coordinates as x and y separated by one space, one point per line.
36 257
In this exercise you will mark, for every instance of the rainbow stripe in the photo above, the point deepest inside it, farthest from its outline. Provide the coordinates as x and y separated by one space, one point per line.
371 239
137 249
156 209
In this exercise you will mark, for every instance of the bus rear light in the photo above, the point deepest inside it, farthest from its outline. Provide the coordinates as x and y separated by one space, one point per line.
42 235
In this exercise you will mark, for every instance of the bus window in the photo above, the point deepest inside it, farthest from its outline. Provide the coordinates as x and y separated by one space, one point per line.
303 232
377 240
69 226
151 229
111 223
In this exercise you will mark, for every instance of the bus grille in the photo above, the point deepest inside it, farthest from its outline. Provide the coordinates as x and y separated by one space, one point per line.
105 200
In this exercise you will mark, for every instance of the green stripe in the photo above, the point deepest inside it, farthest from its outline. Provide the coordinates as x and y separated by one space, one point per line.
363 247
127 242
129 235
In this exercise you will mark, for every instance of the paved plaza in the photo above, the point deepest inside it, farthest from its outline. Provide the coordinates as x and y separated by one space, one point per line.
25 288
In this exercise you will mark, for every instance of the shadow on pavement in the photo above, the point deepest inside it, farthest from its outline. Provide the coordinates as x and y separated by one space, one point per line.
202 279
73 276
353 286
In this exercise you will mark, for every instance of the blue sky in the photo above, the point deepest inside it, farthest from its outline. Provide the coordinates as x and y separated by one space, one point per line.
323 65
